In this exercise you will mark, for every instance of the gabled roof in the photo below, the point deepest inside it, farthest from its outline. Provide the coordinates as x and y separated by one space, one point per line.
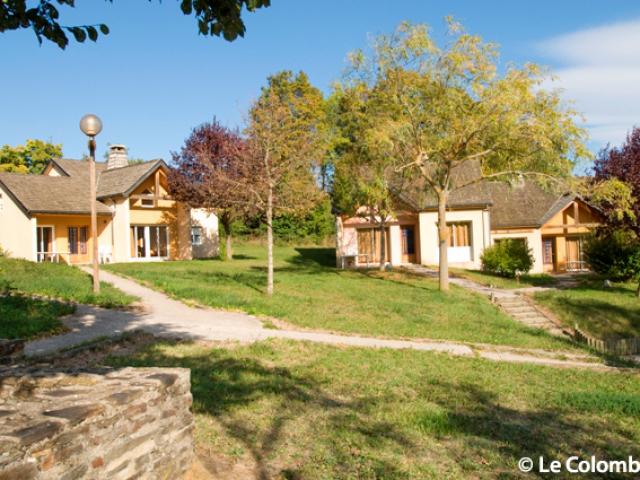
43 194
69 192
76 168
526 204
122 181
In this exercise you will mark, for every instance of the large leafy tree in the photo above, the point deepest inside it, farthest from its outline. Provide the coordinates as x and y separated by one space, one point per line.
286 137
440 109
210 172
621 164
28 158
364 174
214 17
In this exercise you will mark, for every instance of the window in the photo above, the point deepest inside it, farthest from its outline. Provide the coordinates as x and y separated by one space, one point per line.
147 202
459 234
77 240
83 240
196 235
369 240
547 251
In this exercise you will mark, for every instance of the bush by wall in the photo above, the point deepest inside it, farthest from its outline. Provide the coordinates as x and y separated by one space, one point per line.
507 257
614 254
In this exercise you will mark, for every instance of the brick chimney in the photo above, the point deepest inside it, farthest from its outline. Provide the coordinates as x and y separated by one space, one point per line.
117 157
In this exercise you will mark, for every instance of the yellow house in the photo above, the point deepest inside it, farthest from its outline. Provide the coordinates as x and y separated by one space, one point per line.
47 217
552 224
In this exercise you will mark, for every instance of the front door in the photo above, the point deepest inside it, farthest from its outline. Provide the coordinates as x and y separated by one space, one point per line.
408 236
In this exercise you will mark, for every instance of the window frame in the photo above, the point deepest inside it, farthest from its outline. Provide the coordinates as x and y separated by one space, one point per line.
199 235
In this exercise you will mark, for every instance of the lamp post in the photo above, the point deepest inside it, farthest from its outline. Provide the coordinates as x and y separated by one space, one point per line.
91 126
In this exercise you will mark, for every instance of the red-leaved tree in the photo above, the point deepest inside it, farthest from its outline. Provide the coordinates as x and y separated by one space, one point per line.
212 156
623 163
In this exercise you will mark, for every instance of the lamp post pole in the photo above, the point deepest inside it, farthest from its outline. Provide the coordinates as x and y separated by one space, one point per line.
91 126
94 214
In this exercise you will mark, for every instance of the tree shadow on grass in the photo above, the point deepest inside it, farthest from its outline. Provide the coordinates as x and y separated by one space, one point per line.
264 408
488 427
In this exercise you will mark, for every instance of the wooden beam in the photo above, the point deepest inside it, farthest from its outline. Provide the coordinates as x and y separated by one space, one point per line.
149 196
157 188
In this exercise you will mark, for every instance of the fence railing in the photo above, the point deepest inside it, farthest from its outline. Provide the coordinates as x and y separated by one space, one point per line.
613 346
577 266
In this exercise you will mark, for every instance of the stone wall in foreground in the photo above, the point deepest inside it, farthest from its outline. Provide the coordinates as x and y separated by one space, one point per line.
115 424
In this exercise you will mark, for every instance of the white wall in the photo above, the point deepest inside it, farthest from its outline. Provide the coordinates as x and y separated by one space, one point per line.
120 230
17 230
459 256
395 247
206 219
534 242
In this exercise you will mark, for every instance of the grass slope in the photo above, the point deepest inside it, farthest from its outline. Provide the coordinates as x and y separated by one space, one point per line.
603 312
57 281
311 292
288 410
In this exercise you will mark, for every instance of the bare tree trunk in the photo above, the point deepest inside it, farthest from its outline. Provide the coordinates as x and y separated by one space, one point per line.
226 225
228 248
270 242
443 234
383 247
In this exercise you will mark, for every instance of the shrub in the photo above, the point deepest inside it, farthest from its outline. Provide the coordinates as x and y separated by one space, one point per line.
614 254
507 257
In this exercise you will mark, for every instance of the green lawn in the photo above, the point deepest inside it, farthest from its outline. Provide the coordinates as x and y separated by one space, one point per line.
22 317
488 279
286 410
611 312
57 281
310 292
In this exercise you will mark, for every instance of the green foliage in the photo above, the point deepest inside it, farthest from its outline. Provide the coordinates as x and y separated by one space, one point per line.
615 254
313 226
28 158
507 257
214 17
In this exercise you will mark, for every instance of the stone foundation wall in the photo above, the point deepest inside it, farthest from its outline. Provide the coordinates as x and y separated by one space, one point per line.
115 424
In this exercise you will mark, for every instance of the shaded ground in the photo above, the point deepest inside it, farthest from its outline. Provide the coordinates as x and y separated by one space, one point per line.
312 293
279 409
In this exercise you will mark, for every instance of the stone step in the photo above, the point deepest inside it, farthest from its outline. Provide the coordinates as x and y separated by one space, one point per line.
527 315
518 308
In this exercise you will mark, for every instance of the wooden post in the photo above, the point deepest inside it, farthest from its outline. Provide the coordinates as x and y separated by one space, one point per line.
94 215
157 189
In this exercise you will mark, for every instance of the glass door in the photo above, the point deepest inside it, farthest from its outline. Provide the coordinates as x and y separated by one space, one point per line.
149 241
45 244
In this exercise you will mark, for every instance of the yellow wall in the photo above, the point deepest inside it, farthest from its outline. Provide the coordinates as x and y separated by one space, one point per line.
60 224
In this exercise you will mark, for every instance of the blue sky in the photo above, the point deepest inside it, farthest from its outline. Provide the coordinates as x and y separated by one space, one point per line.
154 78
